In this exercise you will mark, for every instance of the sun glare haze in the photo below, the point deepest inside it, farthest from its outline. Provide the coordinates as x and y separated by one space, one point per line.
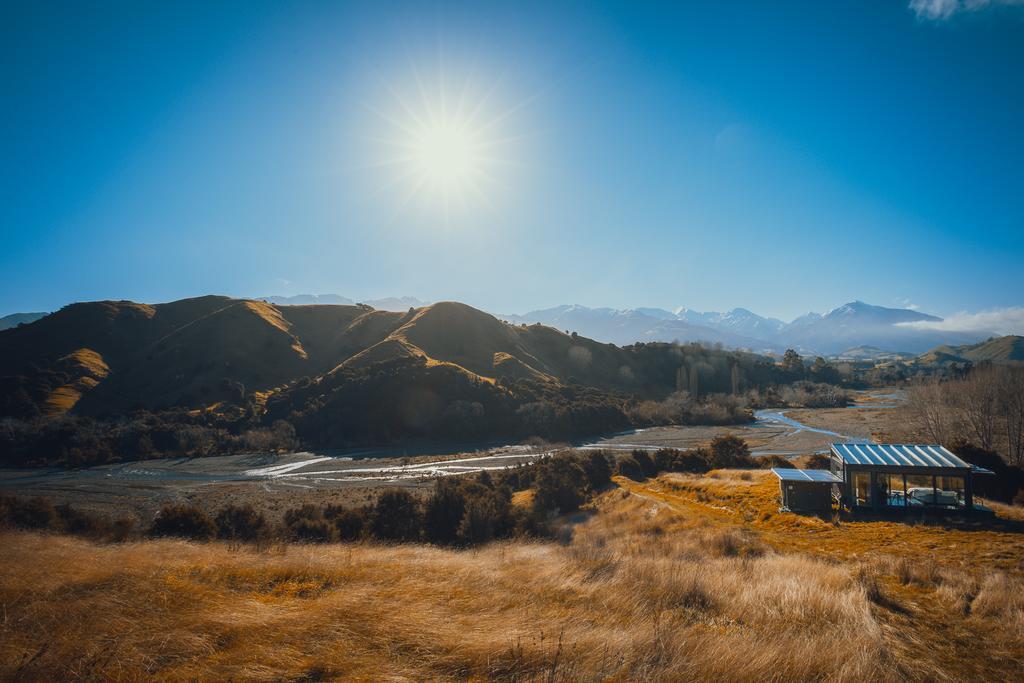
445 141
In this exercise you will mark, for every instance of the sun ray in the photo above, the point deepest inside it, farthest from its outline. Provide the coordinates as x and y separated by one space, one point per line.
448 140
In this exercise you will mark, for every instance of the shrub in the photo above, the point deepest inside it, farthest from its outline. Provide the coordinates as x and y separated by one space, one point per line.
731 451
599 471
819 461
241 523
443 513
630 468
185 521
28 513
311 530
643 458
307 511
1007 479
561 484
770 461
696 460
479 521
121 529
80 523
349 524
664 458
395 516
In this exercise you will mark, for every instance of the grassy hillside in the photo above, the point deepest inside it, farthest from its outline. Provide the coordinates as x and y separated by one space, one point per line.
681 577
186 353
1008 349
213 369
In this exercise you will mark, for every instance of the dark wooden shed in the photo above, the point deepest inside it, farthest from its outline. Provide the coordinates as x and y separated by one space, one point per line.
806 490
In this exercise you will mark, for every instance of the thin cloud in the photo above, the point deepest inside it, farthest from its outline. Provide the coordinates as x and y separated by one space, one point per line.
908 304
942 10
997 320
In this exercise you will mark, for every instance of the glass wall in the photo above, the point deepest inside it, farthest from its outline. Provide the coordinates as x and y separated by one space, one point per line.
896 489
862 488
949 491
920 489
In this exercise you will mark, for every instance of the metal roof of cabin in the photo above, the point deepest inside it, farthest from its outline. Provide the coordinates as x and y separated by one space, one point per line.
897 455
820 476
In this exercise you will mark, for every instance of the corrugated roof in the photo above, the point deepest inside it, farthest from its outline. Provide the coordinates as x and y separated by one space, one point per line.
897 455
821 476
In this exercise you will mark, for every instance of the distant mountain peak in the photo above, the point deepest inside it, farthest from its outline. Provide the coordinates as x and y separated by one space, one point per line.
888 315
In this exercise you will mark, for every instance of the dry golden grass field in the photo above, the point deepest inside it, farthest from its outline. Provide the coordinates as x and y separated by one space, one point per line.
677 578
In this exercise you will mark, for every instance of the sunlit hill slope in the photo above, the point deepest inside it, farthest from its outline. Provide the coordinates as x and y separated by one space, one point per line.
114 357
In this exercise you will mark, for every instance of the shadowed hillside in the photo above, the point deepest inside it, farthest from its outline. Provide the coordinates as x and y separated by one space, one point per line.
187 353
218 368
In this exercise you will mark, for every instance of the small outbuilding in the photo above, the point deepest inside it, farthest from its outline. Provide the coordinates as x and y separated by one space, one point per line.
806 490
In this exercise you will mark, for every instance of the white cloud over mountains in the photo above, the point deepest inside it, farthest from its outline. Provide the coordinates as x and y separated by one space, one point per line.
940 10
999 320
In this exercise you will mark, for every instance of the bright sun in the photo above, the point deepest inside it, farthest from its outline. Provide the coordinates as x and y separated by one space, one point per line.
447 155
445 142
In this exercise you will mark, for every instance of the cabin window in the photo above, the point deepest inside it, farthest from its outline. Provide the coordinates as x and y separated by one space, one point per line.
862 488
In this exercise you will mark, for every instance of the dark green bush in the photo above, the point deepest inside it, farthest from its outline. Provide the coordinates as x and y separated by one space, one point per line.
395 516
819 461
349 524
241 523
561 484
643 458
630 468
770 461
185 521
731 452
598 469
28 513
311 530
443 513
80 523
478 524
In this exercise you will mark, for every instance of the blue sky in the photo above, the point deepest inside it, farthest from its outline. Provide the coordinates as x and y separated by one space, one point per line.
783 157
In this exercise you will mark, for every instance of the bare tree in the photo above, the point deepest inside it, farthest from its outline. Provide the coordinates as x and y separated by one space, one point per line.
928 412
985 407
975 399
1010 389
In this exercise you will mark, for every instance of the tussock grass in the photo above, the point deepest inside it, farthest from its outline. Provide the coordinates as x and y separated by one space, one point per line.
657 585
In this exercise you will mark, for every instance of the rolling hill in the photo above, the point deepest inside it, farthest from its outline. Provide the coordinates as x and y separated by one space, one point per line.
109 358
1007 349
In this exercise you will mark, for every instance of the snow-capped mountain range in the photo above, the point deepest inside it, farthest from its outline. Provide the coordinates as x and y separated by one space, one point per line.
851 325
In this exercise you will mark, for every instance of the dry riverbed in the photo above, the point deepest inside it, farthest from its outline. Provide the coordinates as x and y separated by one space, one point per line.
281 481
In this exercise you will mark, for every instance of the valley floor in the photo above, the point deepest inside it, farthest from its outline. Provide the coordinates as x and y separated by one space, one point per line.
275 482
677 578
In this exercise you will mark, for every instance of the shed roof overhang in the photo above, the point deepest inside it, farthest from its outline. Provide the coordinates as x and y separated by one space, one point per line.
815 476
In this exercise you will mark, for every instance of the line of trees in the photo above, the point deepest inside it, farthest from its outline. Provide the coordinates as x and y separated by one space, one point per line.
459 512
985 407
